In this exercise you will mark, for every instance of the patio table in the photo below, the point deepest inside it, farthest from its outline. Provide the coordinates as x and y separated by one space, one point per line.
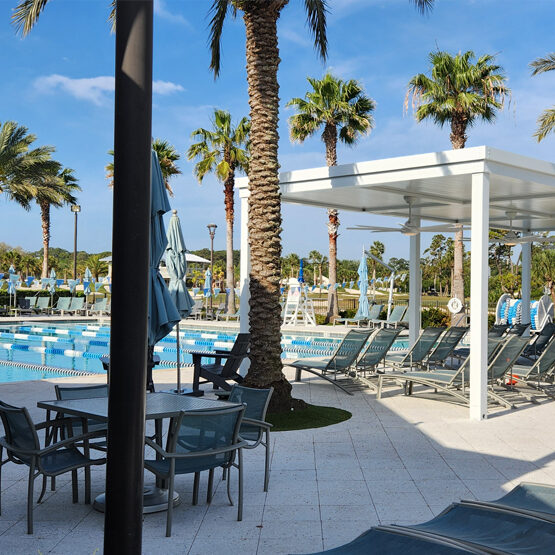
158 407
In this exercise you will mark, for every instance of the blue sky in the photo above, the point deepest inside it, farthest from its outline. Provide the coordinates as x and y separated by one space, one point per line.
58 82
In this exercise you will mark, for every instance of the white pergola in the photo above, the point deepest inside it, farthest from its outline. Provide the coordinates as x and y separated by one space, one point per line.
474 186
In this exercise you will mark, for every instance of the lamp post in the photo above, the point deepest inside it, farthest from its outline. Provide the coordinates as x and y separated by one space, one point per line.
212 232
75 208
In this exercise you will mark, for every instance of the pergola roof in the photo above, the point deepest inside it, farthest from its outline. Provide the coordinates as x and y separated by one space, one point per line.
439 185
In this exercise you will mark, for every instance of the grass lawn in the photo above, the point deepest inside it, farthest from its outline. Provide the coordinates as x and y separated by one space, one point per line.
313 416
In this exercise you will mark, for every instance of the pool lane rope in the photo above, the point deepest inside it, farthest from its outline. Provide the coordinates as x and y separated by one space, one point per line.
51 369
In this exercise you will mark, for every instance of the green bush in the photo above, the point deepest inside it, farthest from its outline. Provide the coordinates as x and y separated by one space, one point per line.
348 313
434 317
491 320
320 319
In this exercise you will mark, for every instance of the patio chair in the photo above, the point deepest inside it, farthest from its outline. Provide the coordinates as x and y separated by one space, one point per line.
197 441
99 307
535 349
518 329
254 428
23 306
497 330
502 353
77 305
373 314
446 346
196 311
43 305
342 359
61 306
23 447
227 317
418 352
217 373
395 318
32 301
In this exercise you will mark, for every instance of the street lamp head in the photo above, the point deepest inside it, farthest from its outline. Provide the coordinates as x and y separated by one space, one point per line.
212 229
75 208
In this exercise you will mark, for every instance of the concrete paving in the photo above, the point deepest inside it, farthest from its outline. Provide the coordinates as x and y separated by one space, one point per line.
398 460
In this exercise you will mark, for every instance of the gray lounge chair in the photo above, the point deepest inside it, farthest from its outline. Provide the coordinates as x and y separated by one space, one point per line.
536 347
455 382
43 305
196 311
340 362
77 305
395 318
418 352
99 307
62 305
22 446
198 441
373 314
447 345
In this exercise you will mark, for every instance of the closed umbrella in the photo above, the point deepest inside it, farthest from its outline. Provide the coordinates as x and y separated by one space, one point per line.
176 264
208 283
301 272
162 312
363 308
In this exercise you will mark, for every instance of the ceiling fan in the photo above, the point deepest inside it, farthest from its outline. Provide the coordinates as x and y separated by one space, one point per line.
511 238
409 227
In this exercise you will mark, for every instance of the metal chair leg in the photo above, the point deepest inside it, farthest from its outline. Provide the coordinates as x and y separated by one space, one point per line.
195 488
240 503
267 462
210 485
30 497
74 488
170 499
43 490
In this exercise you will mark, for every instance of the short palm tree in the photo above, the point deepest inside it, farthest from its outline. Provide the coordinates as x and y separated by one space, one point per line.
167 156
223 150
345 113
96 266
19 164
460 93
546 121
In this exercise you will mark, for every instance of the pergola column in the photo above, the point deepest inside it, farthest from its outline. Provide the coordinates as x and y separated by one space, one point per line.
245 270
526 277
479 296
415 287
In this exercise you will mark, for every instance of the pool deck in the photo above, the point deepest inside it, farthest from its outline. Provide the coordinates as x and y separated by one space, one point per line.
398 460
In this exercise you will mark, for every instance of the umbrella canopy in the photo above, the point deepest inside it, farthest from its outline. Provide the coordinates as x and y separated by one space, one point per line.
12 269
72 284
301 272
363 308
87 275
53 274
162 313
176 264
207 283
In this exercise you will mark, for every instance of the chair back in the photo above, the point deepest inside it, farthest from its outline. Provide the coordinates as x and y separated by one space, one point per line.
397 313
205 431
497 330
23 303
256 401
238 352
447 344
348 350
19 429
32 301
77 303
375 311
43 302
63 303
82 392
424 344
544 337
518 329
378 346
546 361
506 356
101 304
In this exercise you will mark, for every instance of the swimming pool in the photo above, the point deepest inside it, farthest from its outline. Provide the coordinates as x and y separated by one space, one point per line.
31 351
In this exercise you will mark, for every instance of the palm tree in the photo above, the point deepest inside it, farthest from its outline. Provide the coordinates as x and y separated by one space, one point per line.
167 156
377 248
96 266
546 121
223 151
345 113
317 259
52 189
543 266
459 93
19 164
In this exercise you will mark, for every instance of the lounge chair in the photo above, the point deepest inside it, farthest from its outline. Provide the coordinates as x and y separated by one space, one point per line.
43 305
254 428
395 318
61 306
418 352
497 330
217 373
446 347
373 314
518 329
198 441
77 305
343 358
196 311
23 307
22 445
536 347
227 317
99 307
455 382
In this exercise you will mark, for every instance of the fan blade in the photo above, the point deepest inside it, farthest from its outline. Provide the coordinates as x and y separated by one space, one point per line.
373 228
443 227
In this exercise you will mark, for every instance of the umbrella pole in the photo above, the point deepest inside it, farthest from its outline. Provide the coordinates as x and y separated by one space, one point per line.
178 360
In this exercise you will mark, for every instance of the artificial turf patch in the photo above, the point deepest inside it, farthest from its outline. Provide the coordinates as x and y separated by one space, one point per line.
313 416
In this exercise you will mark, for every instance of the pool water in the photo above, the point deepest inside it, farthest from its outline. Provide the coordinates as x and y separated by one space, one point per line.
32 351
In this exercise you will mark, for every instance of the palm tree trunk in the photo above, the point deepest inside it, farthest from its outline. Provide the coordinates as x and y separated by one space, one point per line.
45 219
264 225
458 131
329 136
458 275
229 216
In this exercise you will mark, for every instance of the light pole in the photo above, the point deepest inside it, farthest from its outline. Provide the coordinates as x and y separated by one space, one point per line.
75 208
212 232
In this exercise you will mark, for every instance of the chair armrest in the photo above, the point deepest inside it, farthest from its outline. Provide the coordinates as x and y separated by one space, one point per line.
254 422
156 447
57 422
211 354
70 441
208 452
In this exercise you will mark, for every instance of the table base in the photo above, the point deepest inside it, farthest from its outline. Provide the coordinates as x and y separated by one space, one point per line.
155 500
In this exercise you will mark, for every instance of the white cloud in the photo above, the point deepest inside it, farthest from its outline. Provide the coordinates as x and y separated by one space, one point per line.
93 89
162 11
294 37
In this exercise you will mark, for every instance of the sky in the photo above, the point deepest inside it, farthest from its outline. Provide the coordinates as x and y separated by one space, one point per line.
58 82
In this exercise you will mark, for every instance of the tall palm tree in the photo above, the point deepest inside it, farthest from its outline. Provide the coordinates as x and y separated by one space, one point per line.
345 113
52 189
460 93
546 121
223 151
167 156
19 164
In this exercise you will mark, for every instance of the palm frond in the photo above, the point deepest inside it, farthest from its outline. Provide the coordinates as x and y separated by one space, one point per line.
546 124
423 6
541 65
316 11
218 10
26 15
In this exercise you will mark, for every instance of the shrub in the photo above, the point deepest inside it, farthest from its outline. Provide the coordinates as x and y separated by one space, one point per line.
434 317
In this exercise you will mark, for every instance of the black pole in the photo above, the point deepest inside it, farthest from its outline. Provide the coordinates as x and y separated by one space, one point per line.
75 248
130 248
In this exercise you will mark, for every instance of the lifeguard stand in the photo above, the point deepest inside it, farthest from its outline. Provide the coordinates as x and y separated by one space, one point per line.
298 309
